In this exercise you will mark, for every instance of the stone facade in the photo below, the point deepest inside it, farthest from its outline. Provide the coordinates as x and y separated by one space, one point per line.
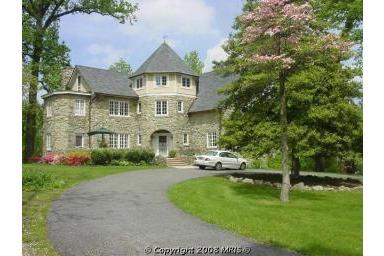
63 125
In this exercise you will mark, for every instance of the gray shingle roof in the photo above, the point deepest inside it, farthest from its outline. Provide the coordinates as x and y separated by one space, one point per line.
164 59
107 81
208 98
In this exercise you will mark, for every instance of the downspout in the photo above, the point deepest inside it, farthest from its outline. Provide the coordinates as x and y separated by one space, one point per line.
93 96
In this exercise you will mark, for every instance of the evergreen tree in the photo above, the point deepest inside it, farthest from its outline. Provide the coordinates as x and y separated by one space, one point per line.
193 61
121 66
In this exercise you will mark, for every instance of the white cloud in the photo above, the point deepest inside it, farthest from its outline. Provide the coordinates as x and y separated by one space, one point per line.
172 17
105 55
216 53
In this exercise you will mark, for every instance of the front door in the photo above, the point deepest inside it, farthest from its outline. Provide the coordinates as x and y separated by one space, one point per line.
163 149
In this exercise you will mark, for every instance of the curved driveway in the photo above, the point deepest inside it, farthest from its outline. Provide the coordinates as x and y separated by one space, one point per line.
125 213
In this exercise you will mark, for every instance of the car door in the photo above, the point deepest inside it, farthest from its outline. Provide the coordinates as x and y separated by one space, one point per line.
233 160
224 159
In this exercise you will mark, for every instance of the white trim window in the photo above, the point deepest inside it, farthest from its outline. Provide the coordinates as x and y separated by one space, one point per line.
161 108
119 140
79 107
180 106
185 139
48 142
49 109
139 83
161 80
211 140
186 82
79 140
118 108
139 108
78 83
139 139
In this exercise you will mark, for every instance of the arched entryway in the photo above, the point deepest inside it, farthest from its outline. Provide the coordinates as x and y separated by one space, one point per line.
162 142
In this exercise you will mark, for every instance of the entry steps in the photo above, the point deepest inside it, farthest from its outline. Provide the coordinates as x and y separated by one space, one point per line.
172 162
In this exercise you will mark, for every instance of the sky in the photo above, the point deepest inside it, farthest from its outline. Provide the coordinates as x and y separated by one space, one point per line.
188 25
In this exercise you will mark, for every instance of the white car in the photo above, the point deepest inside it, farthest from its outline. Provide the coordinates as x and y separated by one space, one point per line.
219 159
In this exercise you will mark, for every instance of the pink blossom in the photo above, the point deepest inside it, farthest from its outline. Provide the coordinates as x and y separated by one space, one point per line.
283 59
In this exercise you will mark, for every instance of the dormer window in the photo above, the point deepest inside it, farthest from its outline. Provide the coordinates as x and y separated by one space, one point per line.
139 83
79 83
161 80
186 82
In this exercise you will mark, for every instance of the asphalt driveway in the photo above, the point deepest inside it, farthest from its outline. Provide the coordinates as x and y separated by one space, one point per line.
129 214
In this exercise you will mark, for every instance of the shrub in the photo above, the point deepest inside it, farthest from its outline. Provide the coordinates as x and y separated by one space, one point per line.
101 156
35 159
133 155
52 158
36 180
76 158
160 160
172 153
117 154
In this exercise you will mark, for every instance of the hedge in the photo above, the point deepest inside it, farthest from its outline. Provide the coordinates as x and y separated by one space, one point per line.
106 156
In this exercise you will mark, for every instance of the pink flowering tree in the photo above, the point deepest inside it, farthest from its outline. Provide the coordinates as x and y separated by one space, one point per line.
274 40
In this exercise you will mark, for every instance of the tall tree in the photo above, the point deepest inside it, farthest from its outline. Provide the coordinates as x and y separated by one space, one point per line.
41 18
121 66
193 61
274 40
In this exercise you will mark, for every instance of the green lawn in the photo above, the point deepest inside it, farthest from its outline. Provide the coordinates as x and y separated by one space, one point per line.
37 203
313 223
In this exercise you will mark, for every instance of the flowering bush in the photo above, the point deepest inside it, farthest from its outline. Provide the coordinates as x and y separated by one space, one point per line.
52 158
35 159
76 158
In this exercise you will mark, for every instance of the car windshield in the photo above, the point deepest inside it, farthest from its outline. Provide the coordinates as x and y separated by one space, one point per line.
210 153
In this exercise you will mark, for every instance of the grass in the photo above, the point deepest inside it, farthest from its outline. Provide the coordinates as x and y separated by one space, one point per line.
313 223
37 198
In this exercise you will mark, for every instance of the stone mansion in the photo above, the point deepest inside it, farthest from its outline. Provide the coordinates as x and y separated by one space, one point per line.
164 105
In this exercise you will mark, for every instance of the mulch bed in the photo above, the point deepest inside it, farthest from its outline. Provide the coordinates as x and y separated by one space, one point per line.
309 180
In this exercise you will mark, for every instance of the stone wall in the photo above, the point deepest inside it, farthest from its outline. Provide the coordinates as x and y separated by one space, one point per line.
64 125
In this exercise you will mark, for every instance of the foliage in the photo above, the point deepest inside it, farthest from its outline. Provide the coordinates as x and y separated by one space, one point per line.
37 180
52 158
193 61
172 153
38 142
106 156
294 93
101 156
128 163
121 66
77 158
313 223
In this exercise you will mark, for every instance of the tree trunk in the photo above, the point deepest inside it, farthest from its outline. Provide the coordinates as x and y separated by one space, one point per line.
30 134
284 195
319 163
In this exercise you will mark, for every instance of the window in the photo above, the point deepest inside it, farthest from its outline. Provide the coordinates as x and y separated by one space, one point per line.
49 109
139 83
118 108
161 108
186 82
48 145
79 83
161 80
79 107
211 140
139 108
79 141
119 140
185 139
180 106
139 139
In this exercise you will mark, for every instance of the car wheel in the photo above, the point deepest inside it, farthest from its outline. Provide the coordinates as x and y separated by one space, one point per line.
202 167
243 166
218 166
